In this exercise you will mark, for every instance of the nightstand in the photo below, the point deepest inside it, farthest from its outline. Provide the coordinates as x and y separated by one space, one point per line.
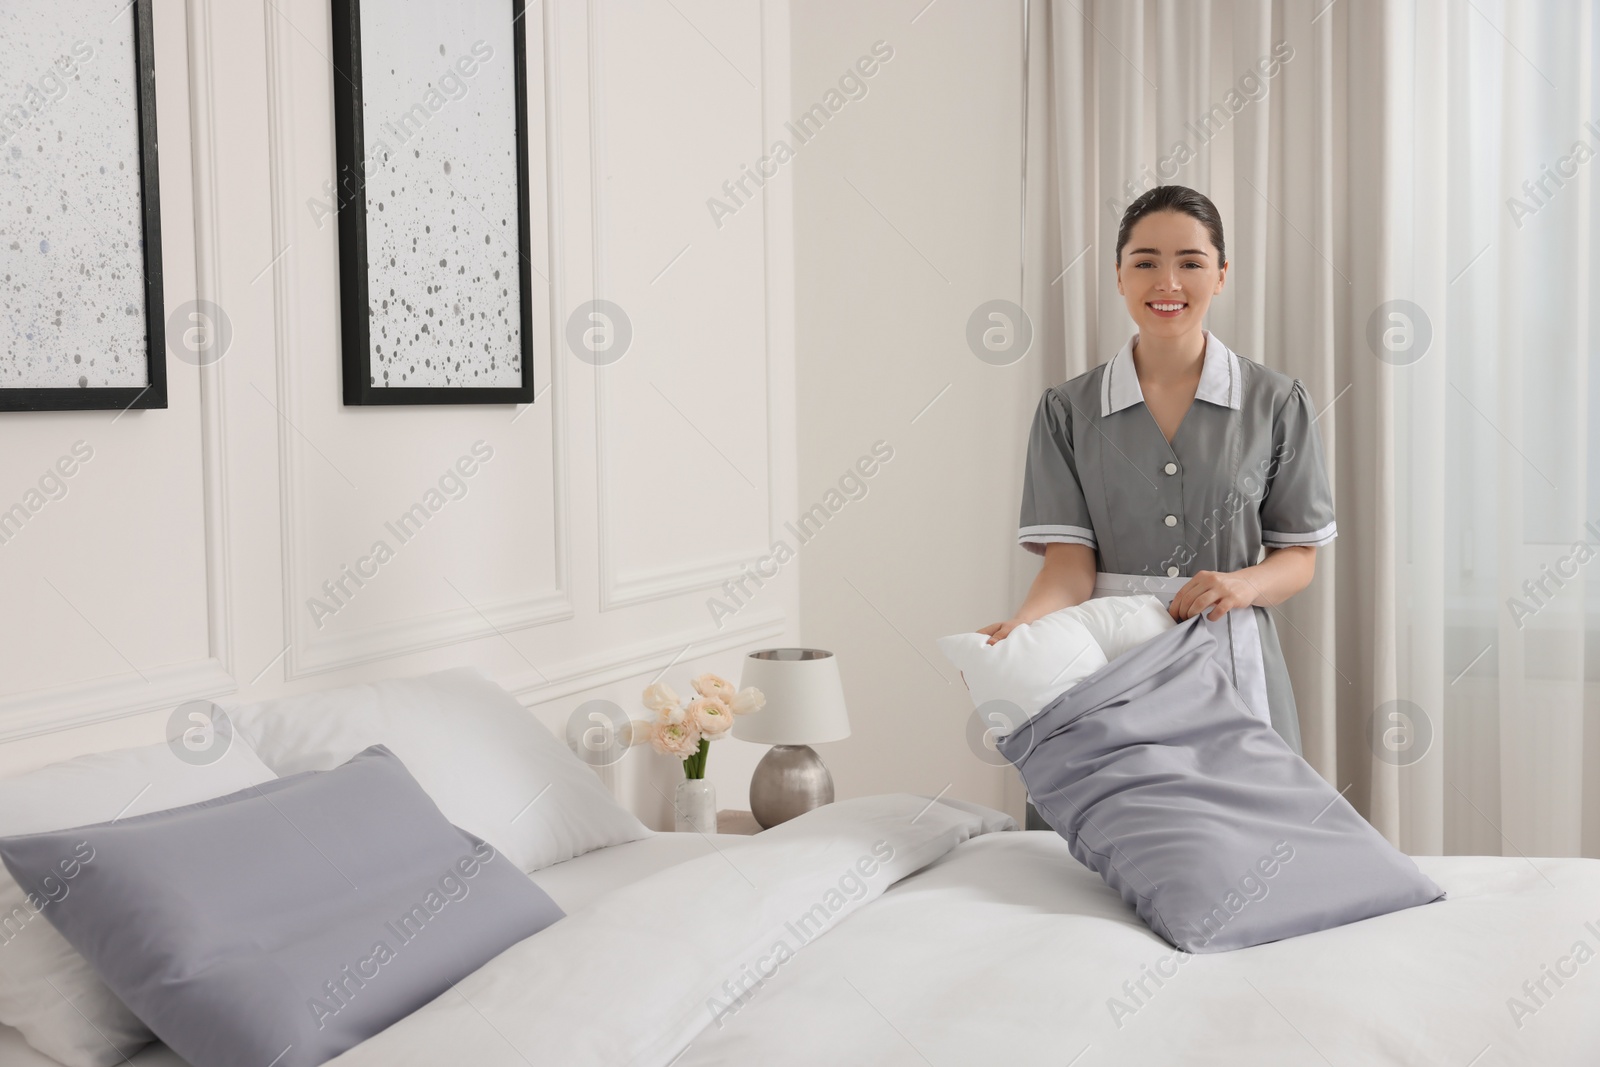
737 822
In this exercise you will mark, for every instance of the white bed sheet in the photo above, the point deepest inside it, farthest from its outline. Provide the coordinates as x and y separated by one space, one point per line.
572 885
1009 951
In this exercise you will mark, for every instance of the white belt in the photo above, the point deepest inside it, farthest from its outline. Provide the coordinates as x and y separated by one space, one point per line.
1238 638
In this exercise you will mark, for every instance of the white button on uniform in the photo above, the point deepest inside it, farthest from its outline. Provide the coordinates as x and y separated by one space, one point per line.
1171 520
1171 468
1172 572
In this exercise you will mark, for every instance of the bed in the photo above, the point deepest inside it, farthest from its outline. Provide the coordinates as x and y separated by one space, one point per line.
899 929
1002 948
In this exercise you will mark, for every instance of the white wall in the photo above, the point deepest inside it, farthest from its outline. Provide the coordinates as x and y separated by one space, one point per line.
908 206
579 563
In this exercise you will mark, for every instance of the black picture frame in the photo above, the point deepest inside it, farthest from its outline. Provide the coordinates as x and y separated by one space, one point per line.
352 206
154 393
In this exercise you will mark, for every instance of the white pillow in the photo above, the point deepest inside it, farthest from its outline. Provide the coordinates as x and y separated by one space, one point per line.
80 1022
1033 665
473 748
1119 623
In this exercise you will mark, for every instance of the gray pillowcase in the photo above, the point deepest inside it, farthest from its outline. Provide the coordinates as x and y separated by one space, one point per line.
1196 811
285 923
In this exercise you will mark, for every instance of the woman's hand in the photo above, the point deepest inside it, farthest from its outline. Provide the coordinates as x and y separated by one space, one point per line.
1220 591
999 630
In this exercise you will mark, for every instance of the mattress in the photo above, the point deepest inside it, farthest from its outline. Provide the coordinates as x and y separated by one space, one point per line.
572 885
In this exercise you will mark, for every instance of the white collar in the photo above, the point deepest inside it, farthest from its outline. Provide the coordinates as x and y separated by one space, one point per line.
1220 381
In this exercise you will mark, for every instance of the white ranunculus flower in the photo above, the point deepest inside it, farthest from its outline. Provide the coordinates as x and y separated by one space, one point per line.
659 695
711 685
676 739
711 716
747 700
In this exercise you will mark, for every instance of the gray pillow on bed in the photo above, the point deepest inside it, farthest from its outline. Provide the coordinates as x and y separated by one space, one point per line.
285 923
1196 811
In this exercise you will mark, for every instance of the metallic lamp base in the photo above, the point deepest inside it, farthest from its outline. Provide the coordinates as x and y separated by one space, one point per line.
790 780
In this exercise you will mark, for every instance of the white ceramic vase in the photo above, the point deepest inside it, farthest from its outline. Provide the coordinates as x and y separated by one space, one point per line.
695 806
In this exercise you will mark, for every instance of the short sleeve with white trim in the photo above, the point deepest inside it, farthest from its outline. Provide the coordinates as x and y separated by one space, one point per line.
1053 505
1298 506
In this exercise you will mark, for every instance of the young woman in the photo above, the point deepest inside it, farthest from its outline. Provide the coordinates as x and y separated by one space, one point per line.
1168 469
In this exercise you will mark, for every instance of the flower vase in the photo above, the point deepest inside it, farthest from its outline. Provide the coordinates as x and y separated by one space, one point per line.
694 806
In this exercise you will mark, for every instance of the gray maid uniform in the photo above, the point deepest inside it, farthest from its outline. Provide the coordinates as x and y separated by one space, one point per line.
1244 470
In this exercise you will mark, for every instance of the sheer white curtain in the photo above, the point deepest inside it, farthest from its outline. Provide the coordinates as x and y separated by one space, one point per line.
1408 193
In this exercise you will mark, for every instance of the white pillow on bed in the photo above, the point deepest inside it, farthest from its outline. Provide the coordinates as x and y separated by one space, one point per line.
79 1021
491 767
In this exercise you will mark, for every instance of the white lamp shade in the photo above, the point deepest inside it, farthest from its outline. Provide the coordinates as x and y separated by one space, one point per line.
805 698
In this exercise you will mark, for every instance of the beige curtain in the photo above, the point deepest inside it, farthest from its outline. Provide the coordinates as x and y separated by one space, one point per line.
1408 194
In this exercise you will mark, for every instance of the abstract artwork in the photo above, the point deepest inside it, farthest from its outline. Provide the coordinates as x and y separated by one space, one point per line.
81 312
431 136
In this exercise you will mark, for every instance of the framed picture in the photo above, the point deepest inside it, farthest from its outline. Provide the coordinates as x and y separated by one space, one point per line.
81 310
431 125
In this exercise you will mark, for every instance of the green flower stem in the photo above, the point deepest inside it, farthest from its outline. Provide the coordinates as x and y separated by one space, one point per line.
695 765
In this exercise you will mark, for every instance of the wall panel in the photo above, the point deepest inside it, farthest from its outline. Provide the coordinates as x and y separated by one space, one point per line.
188 554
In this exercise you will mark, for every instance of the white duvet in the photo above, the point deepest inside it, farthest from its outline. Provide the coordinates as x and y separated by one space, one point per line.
1003 949
1010 952
635 976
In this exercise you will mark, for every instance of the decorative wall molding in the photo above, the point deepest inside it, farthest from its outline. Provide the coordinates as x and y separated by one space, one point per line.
615 664
280 145
617 588
555 237
311 653
208 286
676 579
417 634
118 696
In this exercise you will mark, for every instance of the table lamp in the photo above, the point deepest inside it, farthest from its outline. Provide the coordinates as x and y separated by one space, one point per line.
804 707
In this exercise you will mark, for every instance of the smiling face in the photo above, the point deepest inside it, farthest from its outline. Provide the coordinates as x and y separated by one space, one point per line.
1169 273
